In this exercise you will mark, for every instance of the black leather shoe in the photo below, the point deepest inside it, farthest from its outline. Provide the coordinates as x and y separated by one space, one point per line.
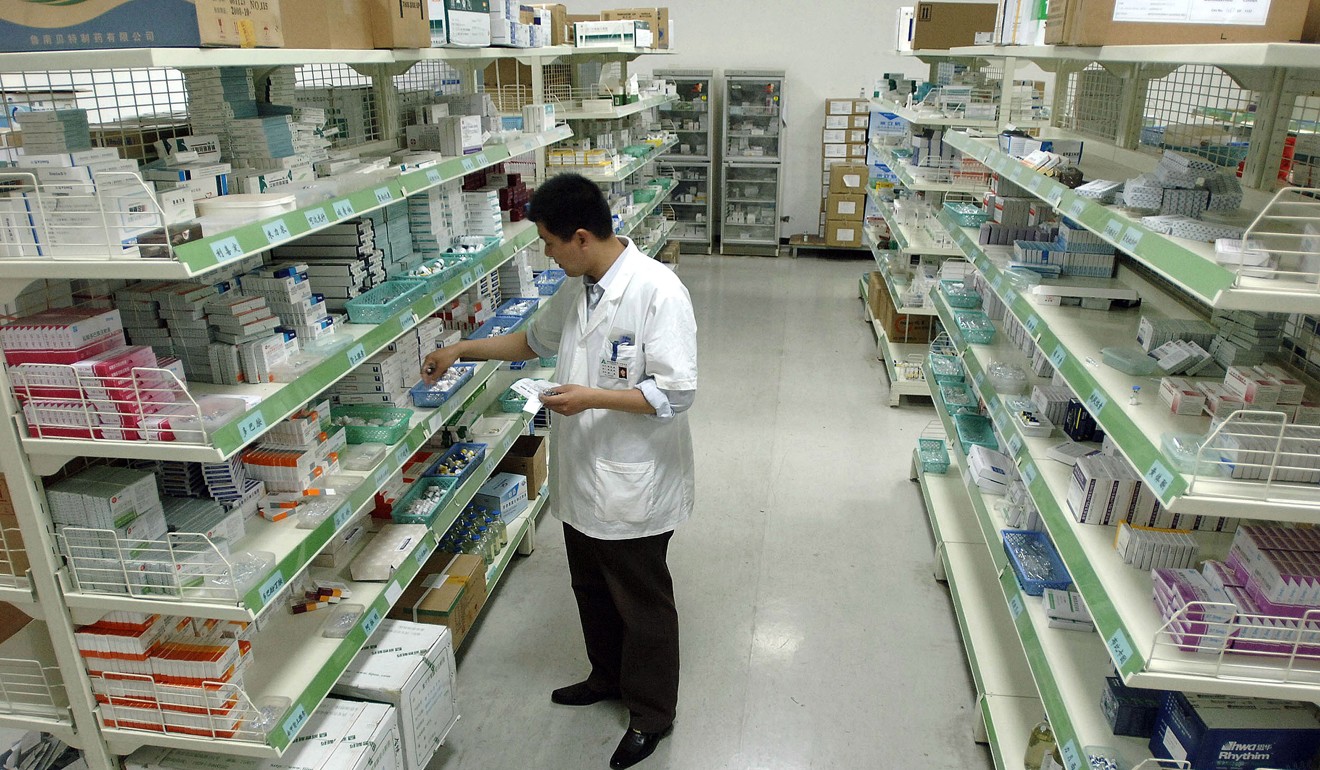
635 746
581 694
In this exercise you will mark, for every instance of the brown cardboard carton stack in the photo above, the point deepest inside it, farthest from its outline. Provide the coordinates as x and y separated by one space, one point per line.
843 143
899 327
13 558
449 590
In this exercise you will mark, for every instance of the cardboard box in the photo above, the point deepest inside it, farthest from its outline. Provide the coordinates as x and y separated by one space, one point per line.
529 456
848 178
844 234
464 24
950 25
1118 22
140 24
400 24
561 31
327 24
658 18
449 591
898 326
1219 731
409 666
845 207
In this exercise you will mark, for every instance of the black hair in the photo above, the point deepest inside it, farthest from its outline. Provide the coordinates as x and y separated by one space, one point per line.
566 203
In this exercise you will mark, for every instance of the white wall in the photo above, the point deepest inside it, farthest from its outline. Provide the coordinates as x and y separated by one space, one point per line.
829 48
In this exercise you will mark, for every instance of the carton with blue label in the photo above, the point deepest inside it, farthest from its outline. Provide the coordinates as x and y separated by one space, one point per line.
40 25
505 494
1220 732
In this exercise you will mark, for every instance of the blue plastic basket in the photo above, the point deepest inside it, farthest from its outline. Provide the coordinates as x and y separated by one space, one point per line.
500 324
975 429
448 466
549 281
384 301
431 396
400 511
1036 563
519 307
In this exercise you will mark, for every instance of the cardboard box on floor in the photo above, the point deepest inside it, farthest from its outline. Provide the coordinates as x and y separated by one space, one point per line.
449 590
658 18
1120 22
950 25
846 234
898 327
46 26
529 456
339 24
848 178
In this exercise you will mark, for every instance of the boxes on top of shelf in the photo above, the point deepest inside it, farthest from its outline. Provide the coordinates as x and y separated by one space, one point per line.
131 24
459 23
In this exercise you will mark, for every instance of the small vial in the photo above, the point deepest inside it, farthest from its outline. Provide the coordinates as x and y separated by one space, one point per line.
1136 391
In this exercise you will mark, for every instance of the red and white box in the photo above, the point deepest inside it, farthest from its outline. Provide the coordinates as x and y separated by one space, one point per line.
1182 396
1255 389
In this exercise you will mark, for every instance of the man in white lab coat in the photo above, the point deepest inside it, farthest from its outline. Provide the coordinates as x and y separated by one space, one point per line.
621 469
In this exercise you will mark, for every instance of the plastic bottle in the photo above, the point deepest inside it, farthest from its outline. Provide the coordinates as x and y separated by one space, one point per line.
1039 745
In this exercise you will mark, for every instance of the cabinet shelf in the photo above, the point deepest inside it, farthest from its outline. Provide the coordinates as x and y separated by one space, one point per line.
293 548
621 111
1117 595
1190 265
893 352
32 692
213 252
903 171
279 400
912 239
622 172
1072 338
290 657
897 288
1068 667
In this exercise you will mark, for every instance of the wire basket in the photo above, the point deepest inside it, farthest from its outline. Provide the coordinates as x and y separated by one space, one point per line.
1036 564
945 369
959 295
391 427
384 301
415 508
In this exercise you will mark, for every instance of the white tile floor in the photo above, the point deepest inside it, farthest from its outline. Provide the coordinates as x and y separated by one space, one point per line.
813 633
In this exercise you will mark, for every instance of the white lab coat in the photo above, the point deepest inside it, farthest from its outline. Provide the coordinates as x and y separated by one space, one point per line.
615 475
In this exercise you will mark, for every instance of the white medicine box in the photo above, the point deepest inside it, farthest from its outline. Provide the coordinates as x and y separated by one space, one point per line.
505 494
411 667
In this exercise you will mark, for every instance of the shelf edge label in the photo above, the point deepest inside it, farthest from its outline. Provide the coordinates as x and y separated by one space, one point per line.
317 217
382 476
1072 759
1159 478
1113 229
1131 239
252 426
271 587
1119 648
370 621
402 454
433 176
1096 402
1059 355
1014 445
1029 473
276 231
383 195
1015 606
226 249
295 722
342 516
356 355
343 209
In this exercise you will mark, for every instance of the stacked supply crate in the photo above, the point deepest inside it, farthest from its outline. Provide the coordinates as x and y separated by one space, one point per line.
843 141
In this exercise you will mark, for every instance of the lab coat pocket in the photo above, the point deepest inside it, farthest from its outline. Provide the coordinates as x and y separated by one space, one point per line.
621 372
624 491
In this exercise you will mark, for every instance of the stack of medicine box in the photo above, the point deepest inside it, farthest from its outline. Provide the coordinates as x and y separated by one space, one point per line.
245 321
183 308
1074 251
108 519
287 289
54 132
432 218
381 380
1273 572
269 146
1147 548
511 24
393 234
290 473
1183 185
205 517
160 673
1245 338
217 98
516 276
341 261
228 483
844 139
1011 213
481 214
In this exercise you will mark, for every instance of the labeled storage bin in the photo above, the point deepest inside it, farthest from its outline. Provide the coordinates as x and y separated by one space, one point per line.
967 214
458 462
367 424
434 395
383 302
975 429
945 369
958 294
1007 378
1036 563
424 500
975 326
934 455
437 271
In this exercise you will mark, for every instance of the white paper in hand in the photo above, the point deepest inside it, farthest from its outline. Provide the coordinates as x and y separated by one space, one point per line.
531 390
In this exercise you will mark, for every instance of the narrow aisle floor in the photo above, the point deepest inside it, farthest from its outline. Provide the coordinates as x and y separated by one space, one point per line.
813 634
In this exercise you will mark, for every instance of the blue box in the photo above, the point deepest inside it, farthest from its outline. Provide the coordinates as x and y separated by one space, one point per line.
1219 732
28 26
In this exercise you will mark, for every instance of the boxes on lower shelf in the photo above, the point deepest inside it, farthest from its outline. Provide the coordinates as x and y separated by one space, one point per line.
1220 732
899 327
449 591
409 666
528 457
504 495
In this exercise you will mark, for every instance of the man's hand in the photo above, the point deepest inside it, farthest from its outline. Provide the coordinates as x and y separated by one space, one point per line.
438 361
569 400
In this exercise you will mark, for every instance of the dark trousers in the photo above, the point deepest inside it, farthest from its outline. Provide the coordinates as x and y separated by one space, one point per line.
625 598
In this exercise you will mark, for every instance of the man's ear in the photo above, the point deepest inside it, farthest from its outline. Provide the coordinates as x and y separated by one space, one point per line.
581 236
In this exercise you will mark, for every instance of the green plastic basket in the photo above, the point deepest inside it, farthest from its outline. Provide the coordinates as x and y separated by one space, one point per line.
401 511
967 214
945 369
512 402
975 429
383 302
959 295
548 363
391 432
975 326
934 455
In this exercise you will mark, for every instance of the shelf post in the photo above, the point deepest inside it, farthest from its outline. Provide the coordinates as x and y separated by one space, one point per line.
1269 134
29 499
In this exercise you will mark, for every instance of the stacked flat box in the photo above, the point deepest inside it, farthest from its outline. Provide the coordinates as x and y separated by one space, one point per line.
183 308
121 504
1225 192
481 212
1245 338
55 131
217 98
340 262
516 276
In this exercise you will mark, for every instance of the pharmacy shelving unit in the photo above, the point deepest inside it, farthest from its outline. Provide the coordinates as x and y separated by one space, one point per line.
1129 104
43 682
1069 667
1008 704
751 192
902 360
692 160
